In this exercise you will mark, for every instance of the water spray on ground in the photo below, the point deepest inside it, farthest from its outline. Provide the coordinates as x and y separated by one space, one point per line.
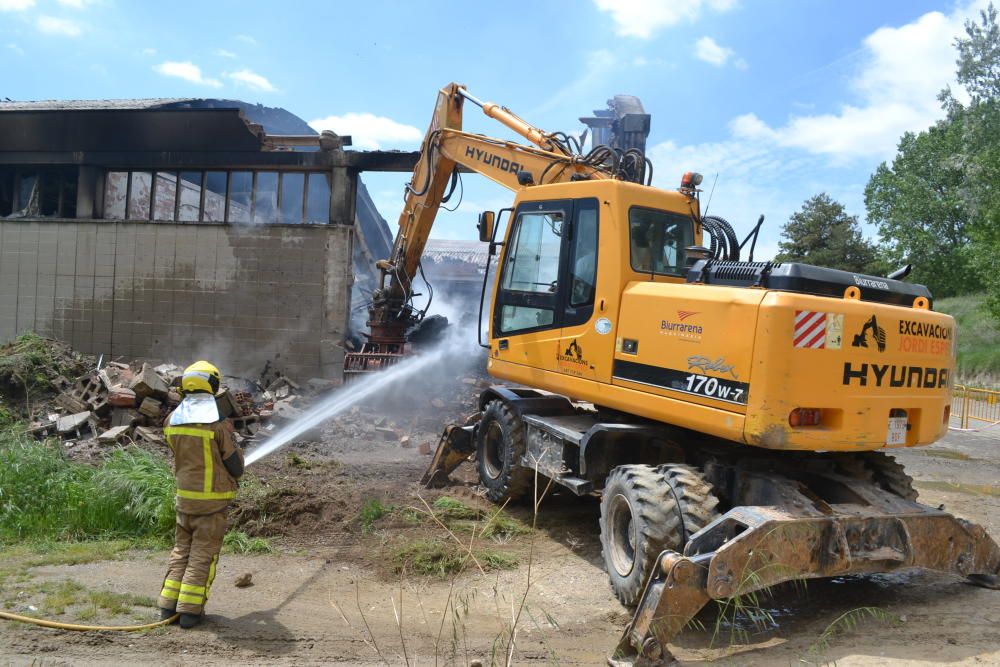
346 397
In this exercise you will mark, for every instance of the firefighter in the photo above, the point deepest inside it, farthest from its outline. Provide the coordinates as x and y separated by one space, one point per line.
207 465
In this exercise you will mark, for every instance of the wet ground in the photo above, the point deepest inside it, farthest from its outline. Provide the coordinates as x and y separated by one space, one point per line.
330 595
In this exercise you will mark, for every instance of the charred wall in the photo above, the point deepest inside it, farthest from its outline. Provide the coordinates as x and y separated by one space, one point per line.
238 295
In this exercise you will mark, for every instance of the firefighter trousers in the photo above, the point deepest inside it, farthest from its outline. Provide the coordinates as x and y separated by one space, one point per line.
193 561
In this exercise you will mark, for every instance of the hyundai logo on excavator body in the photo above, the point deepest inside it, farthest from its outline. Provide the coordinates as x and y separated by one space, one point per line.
503 164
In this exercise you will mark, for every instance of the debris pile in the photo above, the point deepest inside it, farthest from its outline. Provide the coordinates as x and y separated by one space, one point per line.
127 403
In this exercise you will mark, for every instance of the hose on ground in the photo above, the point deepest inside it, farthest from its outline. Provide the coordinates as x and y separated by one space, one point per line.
85 628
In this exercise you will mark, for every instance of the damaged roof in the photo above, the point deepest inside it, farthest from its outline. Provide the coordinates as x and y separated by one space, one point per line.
89 105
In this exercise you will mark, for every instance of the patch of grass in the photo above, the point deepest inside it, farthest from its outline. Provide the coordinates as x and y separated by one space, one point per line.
299 462
119 603
44 495
496 524
978 338
502 527
37 553
239 542
447 507
371 511
496 560
59 595
432 557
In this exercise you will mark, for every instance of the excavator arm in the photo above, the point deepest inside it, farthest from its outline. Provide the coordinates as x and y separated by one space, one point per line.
445 148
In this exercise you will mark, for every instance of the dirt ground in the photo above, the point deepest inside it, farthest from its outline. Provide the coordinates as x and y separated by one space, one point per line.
330 593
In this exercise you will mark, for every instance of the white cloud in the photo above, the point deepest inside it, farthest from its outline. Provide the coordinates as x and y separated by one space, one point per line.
75 4
252 80
225 54
600 64
52 25
370 132
16 5
247 39
902 70
643 18
710 51
149 51
187 71
16 49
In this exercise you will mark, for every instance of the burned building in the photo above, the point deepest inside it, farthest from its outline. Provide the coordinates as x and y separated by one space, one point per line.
181 229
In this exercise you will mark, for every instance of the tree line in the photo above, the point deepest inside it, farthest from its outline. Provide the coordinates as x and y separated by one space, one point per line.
937 204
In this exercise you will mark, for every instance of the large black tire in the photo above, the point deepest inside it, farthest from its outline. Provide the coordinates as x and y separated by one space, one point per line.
645 510
499 448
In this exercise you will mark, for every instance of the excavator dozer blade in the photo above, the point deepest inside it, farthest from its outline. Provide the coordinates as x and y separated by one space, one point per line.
456 445
754 547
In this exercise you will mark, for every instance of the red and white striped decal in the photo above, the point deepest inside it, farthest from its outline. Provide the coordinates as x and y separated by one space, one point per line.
810 329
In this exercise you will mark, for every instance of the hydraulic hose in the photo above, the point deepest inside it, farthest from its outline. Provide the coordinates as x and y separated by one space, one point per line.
85 628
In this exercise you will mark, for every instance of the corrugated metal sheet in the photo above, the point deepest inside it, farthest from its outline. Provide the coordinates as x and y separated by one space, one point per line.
472 252
90 105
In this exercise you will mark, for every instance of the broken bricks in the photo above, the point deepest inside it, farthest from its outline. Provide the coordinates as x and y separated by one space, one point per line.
115 436
120 397
228 407
148 384
150 407
76 423
125 417
88 393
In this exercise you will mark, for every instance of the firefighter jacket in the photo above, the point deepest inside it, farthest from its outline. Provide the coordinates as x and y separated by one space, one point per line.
207 464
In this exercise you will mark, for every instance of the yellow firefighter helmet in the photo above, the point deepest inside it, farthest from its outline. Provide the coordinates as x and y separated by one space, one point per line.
201 376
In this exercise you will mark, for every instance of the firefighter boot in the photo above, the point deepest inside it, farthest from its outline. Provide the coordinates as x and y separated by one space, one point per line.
189 621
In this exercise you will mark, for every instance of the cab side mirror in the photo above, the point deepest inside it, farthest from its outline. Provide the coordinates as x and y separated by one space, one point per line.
486 223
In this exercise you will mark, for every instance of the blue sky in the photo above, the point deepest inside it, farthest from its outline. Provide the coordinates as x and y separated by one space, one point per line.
781 98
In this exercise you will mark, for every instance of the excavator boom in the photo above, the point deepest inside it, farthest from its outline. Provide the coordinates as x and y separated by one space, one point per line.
445 148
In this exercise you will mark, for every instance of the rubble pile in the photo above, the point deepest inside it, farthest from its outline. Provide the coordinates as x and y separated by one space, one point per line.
122 403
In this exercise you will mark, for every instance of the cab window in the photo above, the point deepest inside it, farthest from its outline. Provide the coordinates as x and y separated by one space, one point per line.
583 258
531 269
658 239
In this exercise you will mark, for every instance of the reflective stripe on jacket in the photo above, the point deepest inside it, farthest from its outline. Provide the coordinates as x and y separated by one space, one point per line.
203 483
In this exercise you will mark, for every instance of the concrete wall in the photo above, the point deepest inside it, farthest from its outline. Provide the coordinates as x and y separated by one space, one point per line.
237 295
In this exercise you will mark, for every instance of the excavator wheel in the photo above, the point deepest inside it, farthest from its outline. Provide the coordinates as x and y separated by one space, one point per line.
499 448
645 510
890 475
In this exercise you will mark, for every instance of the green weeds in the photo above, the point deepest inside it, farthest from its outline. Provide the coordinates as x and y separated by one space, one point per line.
434 557
240 543
371 511
496 524
43 495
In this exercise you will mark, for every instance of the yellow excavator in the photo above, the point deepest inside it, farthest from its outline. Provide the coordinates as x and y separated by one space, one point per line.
731 415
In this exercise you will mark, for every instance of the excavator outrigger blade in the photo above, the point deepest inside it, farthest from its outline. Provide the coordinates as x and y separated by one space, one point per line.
754 547
456 445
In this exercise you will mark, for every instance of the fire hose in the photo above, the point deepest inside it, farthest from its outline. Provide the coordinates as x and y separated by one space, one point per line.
85 628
